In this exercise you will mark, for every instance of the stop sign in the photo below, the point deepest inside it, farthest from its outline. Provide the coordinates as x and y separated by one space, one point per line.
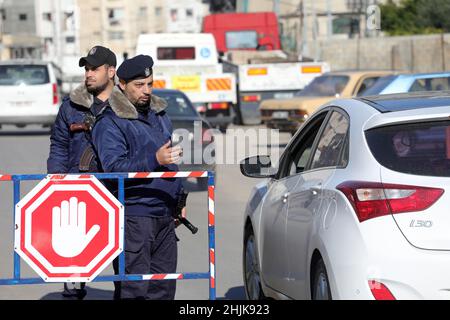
69 228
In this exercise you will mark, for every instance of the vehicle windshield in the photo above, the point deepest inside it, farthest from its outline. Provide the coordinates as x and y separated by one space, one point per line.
14 75
415 148
177 105
324 86
241 39
379 86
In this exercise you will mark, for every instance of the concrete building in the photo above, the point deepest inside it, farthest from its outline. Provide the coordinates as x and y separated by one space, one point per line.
118 23
185 16
19 36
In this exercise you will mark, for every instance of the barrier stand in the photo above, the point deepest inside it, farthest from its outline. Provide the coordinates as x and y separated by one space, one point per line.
211 274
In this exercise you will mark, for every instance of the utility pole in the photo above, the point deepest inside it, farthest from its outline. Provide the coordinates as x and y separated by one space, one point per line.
315 31
304 46
330 18
276 7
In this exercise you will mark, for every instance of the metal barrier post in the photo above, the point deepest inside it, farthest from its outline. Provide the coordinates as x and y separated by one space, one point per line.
16 196
211 237
122 201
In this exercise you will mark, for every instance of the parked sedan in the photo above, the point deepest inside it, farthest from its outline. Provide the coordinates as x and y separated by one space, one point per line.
289 114
358 206
401 83
188 124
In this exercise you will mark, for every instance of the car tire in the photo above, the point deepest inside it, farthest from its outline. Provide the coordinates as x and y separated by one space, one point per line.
252 279
320 285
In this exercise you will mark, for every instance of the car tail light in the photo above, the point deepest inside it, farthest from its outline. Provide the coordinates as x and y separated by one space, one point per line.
371 199
218 106
253 98
380 291
55 94
201 109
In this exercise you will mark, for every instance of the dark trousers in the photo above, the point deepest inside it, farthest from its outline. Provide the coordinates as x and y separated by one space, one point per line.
150 248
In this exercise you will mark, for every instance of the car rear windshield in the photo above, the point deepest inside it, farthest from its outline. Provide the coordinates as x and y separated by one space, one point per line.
14 75
178 106
418 148
324 86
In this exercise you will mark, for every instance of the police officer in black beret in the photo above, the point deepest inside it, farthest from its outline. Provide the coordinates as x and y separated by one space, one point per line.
136 137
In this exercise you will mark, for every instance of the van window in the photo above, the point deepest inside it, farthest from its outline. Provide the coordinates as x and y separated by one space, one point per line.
14 75
241 39
187 53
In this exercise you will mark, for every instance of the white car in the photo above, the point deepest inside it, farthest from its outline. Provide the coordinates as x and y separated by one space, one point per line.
29 92
358 207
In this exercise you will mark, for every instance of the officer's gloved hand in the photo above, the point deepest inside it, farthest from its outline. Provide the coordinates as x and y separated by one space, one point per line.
168 155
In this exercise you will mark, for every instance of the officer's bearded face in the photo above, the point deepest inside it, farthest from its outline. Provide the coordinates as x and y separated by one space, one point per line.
139 92
97 78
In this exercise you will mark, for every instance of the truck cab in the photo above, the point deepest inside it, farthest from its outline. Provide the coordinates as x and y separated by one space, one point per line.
244 31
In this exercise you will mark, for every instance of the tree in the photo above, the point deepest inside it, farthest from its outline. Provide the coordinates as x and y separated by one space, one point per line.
216 6
415 17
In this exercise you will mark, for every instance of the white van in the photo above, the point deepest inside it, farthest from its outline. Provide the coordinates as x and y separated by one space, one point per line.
29 92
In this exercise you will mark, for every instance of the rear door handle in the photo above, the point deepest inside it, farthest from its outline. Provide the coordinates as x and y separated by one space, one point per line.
285 197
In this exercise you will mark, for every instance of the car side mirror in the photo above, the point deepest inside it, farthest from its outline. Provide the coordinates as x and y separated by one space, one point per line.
258 167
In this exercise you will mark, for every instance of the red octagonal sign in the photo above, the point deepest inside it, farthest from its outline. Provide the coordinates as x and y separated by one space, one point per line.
69 228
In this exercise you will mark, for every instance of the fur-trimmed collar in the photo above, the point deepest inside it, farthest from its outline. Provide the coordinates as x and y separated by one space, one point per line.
118 102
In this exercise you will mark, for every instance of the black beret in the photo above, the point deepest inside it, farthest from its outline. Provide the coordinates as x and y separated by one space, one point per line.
135 68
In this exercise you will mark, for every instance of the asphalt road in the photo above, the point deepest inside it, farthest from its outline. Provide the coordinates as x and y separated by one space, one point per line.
24 151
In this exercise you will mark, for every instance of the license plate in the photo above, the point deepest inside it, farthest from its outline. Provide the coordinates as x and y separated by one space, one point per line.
284 95
21 103
280 115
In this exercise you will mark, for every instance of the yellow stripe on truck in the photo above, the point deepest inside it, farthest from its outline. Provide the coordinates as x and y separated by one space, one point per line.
257 72
312 69
219 84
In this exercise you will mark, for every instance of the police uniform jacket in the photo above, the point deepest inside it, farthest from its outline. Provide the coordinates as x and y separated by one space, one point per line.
67 147
127 141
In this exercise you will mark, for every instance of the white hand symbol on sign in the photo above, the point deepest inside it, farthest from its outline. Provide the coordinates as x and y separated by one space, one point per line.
69 237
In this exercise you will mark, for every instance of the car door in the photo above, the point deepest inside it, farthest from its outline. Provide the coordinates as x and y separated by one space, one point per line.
309 199
274 257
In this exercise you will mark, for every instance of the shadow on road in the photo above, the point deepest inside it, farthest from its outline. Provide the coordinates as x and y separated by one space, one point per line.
92 294
236 293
